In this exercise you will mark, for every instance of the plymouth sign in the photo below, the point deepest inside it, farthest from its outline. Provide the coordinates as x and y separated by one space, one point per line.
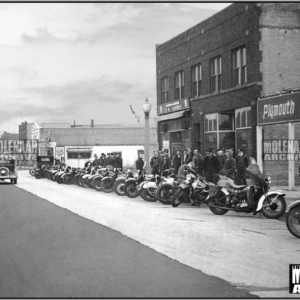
279 109
173 106
281 149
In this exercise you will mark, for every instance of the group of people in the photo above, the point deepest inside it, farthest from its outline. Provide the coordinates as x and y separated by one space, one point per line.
215 163
111 159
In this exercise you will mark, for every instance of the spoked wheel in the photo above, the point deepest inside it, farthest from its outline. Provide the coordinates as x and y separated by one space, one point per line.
38 174
31 172
107 185
97 184
149 194
60 180
68 179
219 210
177 198
293 221
130 190
274 210
53 176
85 183
119 188
165 193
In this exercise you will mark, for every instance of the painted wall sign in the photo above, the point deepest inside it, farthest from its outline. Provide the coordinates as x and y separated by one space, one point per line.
279 109
281 150
177 105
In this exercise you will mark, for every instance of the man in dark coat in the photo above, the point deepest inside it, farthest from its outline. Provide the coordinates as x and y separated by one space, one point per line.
176 162
220 157
96 161
155 162
229 166
198 161
211 167
140 163
118 162
242 163
109 160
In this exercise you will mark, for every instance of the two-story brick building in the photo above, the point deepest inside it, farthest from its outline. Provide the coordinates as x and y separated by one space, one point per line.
210 77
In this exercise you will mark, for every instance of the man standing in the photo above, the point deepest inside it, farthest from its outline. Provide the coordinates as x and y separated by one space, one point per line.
118 162
155 162
229 166
220 156
198 161
140 163
177 161
242 163
211 167
109 160
96 161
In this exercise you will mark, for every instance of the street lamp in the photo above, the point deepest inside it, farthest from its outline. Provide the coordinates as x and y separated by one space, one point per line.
147 109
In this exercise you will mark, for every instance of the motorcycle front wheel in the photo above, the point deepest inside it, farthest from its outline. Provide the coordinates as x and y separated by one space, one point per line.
107 185
274 210
147 194
130 190
219 210
68 179
85 183
119 188
293 221
97 184
177 198
38 174
165 193
60 180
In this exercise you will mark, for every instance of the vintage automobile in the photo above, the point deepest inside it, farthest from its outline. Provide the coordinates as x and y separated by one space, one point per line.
8 169
41 160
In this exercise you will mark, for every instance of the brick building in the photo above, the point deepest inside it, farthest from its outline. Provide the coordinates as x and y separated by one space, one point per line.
9 136
209 78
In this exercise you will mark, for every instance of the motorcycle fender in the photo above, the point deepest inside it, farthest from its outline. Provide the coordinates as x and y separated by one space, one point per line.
121 178
85 176
296 203
225 191
141 185
107 177
263 197
149 184
130 179
167 183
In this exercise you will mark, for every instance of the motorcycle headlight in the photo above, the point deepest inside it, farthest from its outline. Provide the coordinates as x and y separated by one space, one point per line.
186 181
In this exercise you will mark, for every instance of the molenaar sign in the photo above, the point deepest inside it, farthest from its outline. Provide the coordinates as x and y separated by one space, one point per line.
173 106
278 109
281 150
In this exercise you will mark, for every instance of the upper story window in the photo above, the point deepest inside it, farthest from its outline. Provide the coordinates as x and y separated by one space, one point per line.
239 66
196 80
243 117
165 90
216 74
179 85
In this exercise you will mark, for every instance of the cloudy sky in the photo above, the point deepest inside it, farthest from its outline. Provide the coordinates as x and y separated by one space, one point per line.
62 62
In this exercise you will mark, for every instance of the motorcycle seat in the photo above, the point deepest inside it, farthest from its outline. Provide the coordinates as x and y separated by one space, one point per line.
237 187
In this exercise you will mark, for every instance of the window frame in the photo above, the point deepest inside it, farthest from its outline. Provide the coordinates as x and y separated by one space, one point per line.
196 80
165 87
215 74
239 66
179 90
245 109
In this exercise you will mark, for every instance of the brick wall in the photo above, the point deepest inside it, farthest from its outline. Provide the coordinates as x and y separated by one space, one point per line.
280 44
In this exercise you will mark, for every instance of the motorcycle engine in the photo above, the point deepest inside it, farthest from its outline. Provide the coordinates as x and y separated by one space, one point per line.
241 196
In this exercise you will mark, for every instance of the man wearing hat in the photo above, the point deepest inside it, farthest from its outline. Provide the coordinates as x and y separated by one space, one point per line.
165 163
102 160
118 161
96 161
229 166
242 163
109 160
211 167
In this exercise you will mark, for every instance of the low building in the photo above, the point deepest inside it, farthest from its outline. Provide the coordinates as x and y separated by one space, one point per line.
9 136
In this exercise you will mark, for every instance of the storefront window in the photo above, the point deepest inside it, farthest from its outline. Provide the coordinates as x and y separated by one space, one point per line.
211 122
225 122
243 117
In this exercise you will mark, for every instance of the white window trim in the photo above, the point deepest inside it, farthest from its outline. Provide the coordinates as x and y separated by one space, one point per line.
240 110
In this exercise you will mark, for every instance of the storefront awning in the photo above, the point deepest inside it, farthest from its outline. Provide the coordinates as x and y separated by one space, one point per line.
77 150
174 115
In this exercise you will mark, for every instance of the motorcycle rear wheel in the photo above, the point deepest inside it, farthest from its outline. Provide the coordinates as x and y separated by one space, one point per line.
130 190
68 179
165 193
85 183
38 175
293 221
177 198
97 184
119 188
107 185
145 194
218 210
60 180
272 211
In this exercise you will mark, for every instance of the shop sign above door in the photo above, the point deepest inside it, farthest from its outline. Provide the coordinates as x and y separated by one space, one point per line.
279 109
177 105
281 149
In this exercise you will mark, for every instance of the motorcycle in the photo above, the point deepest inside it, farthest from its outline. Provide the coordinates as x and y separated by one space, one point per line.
69 177
247 199
107 183
96 181
293 219
148 189
168 187
120 183
131 187
197 188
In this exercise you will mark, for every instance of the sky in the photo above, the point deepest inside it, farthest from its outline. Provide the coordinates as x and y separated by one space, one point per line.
66 62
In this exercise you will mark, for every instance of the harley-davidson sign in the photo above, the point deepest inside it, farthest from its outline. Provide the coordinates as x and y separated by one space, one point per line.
279 109
173 106
281 149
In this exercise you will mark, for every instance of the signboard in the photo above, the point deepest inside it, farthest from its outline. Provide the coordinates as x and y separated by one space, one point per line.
177 105
281 150
166 145
19 149
279 109
59 152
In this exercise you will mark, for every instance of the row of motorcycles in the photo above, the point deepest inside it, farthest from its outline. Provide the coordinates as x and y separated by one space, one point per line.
169 190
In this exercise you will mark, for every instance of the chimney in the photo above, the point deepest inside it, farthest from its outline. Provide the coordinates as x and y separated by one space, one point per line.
92 123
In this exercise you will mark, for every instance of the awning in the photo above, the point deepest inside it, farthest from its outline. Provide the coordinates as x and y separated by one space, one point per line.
77 150
174 115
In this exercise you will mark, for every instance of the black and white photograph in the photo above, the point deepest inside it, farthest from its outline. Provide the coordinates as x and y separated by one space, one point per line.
150 150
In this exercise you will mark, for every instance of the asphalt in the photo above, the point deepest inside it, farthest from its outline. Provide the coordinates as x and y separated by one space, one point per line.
49 252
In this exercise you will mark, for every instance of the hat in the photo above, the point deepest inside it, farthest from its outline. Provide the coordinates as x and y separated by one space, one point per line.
102 154
113 153
209 150
240 150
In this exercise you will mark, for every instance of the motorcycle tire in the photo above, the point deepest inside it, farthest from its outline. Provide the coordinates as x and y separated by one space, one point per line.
130 190
119 188
177 198
85 183
38 175
59 180
92 183
77 179
53 176
97 184
68 179
293 221
48 176
107 185
165 193
271 212
218 210
80 181
147 196
31 172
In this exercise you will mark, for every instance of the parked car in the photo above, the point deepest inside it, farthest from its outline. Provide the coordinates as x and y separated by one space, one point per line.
8 169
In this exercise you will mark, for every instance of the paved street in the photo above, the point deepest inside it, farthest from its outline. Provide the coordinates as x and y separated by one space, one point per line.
249 252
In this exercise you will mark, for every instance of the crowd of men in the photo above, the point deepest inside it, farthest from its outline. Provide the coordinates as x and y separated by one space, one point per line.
112 159
215 163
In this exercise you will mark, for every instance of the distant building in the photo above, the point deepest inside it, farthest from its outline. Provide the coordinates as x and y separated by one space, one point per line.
9 136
